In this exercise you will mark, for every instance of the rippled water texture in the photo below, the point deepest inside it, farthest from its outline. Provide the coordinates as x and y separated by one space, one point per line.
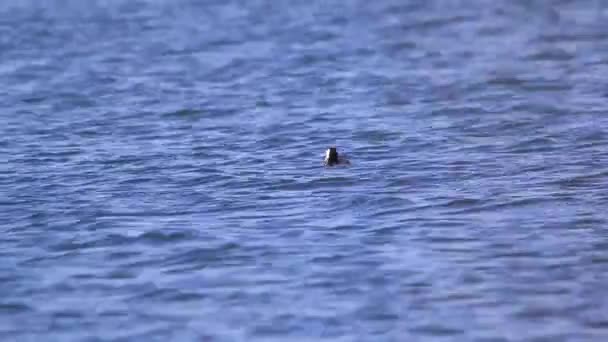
161 175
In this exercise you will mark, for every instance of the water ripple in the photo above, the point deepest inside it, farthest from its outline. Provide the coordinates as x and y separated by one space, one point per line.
161 171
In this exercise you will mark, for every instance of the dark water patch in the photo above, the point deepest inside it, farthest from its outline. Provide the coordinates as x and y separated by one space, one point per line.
34 99
462 203
570 37
587 222
592 139
135 214
436 23
122 255
158 237
437 330
449 239
591 180
120 274
553 55
185 113
517 254
374 136
67 314
511 204
596 323
204 256
13 308
534 144
72 246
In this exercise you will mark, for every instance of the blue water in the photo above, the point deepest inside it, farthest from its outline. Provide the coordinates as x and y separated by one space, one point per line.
161 175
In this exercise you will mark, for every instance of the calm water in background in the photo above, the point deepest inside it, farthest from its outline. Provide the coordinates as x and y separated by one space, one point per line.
161 177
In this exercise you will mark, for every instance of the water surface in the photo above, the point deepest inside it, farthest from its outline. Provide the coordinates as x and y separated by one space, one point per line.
161 177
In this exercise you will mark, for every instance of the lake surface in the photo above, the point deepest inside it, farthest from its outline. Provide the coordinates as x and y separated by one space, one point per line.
161 175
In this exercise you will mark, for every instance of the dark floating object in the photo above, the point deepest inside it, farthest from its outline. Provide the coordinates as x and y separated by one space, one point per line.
333 158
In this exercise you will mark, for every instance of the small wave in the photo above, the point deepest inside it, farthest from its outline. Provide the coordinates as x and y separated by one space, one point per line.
13 308
185 113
